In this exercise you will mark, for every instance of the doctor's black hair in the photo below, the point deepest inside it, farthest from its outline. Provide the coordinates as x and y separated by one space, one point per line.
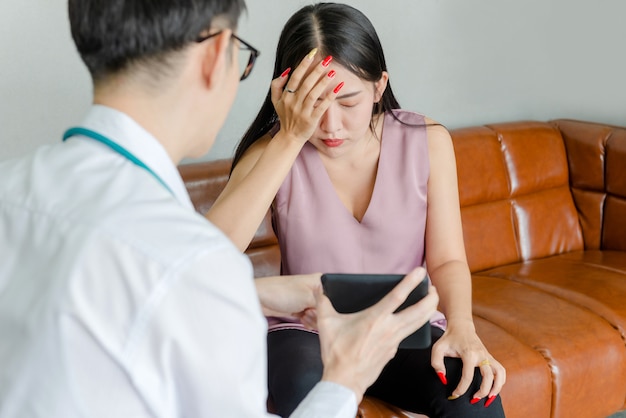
113 35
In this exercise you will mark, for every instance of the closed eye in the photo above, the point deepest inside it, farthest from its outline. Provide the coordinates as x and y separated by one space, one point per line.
342 99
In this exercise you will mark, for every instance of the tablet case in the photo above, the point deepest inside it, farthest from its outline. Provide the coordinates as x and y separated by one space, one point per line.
354 292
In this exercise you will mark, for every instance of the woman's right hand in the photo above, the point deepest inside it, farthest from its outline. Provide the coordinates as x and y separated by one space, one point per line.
264 166
301 100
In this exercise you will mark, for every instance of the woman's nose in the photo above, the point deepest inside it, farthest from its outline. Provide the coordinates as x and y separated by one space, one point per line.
331 120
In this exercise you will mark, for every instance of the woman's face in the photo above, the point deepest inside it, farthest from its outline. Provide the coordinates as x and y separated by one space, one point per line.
346 124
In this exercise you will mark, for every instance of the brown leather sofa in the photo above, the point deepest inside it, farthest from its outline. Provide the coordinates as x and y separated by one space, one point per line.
544 218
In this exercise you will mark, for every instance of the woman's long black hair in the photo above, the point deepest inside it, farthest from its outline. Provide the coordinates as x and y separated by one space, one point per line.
334 29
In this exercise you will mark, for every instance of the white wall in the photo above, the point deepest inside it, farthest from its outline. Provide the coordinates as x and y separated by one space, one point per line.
462 62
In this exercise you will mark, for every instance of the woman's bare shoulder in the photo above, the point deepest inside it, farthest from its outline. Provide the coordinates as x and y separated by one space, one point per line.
436 132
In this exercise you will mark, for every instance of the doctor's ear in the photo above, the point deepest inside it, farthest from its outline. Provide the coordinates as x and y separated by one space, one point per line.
217 57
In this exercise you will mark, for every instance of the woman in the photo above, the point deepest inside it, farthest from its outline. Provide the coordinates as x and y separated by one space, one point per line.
357 185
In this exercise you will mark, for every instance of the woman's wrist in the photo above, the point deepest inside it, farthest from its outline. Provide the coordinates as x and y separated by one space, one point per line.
289 140
460 321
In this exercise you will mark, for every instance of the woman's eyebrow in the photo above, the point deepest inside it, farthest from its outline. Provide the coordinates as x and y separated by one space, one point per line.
345 96
348 95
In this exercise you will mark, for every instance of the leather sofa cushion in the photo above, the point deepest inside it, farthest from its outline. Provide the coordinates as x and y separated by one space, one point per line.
582 350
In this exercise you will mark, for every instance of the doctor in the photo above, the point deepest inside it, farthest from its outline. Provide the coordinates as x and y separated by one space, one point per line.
116 298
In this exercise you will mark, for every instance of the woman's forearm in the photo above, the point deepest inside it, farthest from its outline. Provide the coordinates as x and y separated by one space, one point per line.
241 207
453 283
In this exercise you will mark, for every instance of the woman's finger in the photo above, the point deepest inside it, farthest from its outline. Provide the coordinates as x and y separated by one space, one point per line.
499 379
325 103
486 371
284 84
437 362
278 85
299 73
318 74
467 376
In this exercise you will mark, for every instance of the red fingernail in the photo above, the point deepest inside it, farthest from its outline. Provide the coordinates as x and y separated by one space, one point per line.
339 86
284 74
442 377
327 61
490 400
474 401
331 73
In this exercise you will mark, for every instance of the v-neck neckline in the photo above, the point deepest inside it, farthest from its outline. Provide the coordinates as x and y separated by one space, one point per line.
330 184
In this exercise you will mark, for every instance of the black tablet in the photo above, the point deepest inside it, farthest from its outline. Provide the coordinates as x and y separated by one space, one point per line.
354 292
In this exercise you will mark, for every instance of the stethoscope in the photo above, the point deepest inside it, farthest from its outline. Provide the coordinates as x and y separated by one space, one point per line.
115 147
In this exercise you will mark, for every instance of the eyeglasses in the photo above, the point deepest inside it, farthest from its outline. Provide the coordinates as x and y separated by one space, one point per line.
245 48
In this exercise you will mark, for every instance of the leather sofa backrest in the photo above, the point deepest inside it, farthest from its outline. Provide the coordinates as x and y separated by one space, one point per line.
516 202
597 165
527 190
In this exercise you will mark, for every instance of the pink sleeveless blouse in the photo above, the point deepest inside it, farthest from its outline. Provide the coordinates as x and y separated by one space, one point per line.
317 233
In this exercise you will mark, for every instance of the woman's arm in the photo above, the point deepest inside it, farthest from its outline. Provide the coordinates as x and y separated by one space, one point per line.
254 182
449 271
445 249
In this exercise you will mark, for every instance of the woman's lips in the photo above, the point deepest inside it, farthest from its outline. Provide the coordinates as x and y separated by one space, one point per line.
332 143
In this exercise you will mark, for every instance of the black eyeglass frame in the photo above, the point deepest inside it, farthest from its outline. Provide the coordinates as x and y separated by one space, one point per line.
254 53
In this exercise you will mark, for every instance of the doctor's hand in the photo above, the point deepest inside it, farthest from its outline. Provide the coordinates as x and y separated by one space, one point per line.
355 347
302 99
